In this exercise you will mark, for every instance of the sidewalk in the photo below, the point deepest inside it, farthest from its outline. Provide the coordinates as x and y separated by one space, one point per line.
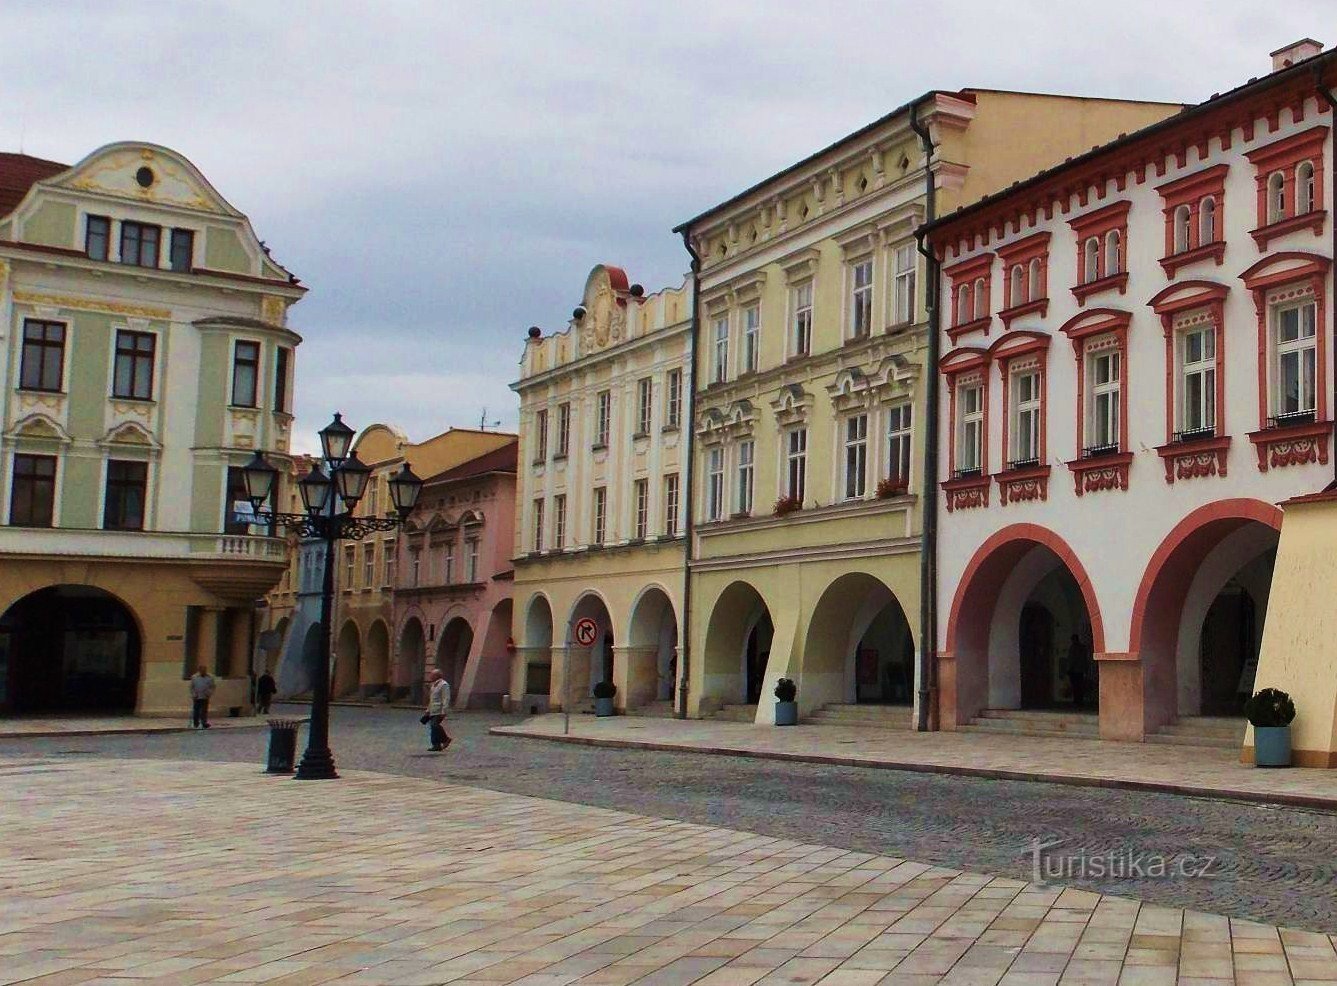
26 728
1139 766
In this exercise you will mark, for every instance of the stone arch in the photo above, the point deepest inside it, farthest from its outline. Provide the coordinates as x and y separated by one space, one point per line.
589 665
737 649
347 661
531 673
453 647
859 645
376 666
652 648
488 680
410 666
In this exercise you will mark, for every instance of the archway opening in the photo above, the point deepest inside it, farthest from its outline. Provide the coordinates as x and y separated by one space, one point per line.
598 658
452 652
653 641
756 656
859 647
737 647
347 661
376 667
1054 659
69 648
537 676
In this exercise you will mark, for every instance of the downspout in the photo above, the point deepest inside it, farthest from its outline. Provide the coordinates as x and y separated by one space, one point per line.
686 495
926 716
1326 93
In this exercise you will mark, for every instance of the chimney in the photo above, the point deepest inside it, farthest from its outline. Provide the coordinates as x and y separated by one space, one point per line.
1296 51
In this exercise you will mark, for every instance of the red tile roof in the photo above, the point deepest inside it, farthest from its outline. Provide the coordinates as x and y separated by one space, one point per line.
17 174
503 459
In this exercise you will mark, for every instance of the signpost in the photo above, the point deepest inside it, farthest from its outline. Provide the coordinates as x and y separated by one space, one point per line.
586 632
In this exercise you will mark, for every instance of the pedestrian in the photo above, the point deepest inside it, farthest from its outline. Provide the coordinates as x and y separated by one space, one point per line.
1077 661
264 691
201 690
438 701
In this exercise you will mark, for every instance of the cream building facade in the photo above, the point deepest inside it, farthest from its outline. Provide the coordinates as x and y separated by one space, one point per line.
812 336
145 357
601 498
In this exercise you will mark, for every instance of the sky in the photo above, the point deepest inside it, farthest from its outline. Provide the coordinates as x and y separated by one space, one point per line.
443 175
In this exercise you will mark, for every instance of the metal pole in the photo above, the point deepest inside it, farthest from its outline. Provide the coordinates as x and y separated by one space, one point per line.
566 683
318 760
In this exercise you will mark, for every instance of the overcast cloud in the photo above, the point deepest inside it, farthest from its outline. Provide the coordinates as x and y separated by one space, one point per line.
443 175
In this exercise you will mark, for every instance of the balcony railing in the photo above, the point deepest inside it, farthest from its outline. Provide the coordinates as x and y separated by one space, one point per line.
1193 435
1097 451
141 544
970 472
1288 418
1029 463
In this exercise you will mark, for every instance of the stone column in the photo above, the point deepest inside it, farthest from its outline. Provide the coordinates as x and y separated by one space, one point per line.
574 661
636 674
206 639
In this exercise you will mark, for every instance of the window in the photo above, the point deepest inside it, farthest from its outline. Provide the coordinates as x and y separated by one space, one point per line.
797 462
471 560
282 356
559 521
856 456
32 497
448 575
751 337
416 568
1104 406
1304 188
1113 253
1183 222
139 244
673 399
721 371
1017 286
97 237
1026 418
898 443
1276 196
127 485
1037 287
904 293
970 439
1091 260
671 505
563 429
1198 380
1207 221
182 251
538 524
715 484
747 453
600 514
963 307
390 563
642 491
350 566
245 373
981 298
803 319
369 564
43 356
1296 360
541 436
371 498
643 405
603 415
861 299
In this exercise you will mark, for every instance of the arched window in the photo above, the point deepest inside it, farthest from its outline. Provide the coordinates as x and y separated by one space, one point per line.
1182 217
1276 197
1113 253
1304 188
981 299
1037 290
963 312
1017 284
1207 221
1091 260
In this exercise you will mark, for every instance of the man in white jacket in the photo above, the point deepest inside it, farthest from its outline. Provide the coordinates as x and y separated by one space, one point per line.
438 702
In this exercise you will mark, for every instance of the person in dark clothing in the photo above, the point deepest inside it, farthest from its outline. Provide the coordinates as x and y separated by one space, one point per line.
264 691
1078 660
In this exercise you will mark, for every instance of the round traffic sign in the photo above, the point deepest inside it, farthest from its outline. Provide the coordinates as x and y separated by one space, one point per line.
587 631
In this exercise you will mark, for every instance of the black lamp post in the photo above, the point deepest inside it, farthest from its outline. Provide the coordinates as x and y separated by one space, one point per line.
330 497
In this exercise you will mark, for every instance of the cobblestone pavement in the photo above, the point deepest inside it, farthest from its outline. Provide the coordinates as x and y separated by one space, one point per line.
1268 863
177 874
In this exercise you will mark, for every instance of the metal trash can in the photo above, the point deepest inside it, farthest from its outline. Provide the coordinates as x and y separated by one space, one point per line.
282 745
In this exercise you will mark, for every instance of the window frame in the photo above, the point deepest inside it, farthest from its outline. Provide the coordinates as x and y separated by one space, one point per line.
105 234
35 484
282 370
559 521
720 348
1299 346
801 325
745 477
540 436
254 364
900 442
644 406
641 506
537 530
43 346
599 535
116 486
141 246
603 417
672 483
563 430
905 284
796 463
860 324
715 467
751 347
177 236
854 460
673 399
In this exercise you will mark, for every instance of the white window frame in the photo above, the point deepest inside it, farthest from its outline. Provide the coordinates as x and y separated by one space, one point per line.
1207 232
751 338
905 284
970 427
673 400
1105 394
603 416
541 435
538 524
644 405
747 463
802 340
471 560
1276 197
1027 408
1199 415
450 564
641 488
900 441
559 521
1091 260
671 483
1305 188
715 483
861 298
1183 225
563 429
854 469
600 531
1304 348
796 463
720 334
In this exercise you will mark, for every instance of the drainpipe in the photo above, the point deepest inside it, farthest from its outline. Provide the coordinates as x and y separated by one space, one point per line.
685 495
1327 95
926 717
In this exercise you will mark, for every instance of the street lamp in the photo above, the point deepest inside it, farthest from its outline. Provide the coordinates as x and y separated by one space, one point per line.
328 517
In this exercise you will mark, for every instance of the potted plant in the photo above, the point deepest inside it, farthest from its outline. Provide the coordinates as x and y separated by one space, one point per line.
603 698
786 709
787 505
892 486
1270 712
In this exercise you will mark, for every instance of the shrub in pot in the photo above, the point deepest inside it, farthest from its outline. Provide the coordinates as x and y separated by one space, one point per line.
1270 712
786 709
603 698
892 486
787 505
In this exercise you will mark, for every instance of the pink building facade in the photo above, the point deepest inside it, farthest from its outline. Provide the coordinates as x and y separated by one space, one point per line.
452 582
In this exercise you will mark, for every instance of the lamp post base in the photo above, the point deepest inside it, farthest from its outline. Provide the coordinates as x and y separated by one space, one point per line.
316 765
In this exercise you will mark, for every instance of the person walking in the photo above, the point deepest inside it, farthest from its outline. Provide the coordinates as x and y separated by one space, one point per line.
201 690
264 691
438 701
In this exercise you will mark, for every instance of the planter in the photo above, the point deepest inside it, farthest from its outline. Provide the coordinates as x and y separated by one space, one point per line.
603 707
786 713
1272 746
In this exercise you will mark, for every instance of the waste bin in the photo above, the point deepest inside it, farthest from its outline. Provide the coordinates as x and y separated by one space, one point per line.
282 745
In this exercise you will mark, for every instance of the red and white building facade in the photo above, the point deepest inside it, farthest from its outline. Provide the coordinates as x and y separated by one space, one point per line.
1136 371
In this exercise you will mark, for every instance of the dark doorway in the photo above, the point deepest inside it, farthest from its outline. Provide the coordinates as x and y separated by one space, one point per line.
1036 640
69 649
606 656
758 652
1228 651
884 661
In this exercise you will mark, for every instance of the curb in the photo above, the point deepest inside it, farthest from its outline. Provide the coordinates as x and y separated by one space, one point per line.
139 731
989 773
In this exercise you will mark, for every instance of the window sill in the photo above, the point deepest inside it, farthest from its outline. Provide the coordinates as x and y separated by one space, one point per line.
668 430
559 457
1018 484
1039 306
1192 458
41 390
640 436
1314 220
965 328
599 447
1215 251
1083 291
1102 471
132 400
967 492
1292 445
251 408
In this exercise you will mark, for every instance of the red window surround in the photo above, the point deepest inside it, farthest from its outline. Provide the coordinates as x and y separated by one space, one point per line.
1284 157
1111 271
1290 445
1205 455
1028 293
970 295
1100 472
1012 352
1191 192
967 364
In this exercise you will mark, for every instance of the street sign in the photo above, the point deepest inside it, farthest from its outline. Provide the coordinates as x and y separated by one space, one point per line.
586 631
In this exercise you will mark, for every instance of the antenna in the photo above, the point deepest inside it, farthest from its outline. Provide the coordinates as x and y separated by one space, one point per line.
484 424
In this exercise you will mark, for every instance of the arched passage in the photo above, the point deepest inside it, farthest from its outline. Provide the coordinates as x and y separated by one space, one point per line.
593 664
534 676
69 648
410 667
652 641
376 663
859 646
347 661
1198 616
737 646
1020 603
452 652
491 676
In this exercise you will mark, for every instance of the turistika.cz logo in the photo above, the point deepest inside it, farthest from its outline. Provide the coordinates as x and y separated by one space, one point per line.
1049 862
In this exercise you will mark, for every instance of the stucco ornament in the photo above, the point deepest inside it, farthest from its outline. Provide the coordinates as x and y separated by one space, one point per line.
605 320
